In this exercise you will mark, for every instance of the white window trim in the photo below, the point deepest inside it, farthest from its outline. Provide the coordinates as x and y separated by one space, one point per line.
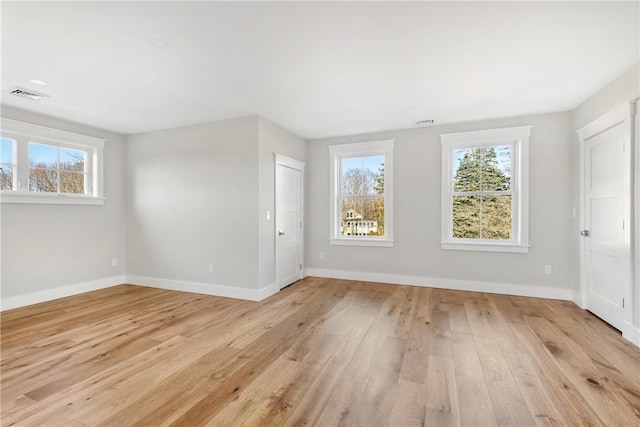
23 133
519 137
361 149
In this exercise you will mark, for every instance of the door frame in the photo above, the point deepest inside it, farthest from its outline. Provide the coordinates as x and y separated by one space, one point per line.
622 116
280 160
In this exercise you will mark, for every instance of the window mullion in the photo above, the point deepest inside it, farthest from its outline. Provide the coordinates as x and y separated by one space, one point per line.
483 193
364 196
480 182
515 235
58 169
22 164
480 214
88 179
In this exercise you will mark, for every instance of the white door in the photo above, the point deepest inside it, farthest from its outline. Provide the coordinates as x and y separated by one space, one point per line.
606 263
289 231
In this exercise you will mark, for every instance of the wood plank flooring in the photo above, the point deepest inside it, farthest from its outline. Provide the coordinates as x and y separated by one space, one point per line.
321 352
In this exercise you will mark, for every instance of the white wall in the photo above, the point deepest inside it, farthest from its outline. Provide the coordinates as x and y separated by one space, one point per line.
50 251
272 139
623 89
417 214
192 201
198 195
193 193
191 198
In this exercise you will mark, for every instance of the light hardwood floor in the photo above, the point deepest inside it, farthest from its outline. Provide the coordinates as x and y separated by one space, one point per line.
321 352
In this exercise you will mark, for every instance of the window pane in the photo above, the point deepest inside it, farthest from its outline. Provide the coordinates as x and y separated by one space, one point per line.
496 217
373 216
362 176
72 182
466 164
482 169
378 181
350 215
45 180
72 160
43 156
6 150
496 168
6 177
362 217
466 217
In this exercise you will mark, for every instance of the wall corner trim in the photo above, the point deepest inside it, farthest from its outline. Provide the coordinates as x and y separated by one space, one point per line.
453 284
267 291
59 292
204 288
631 333
576 297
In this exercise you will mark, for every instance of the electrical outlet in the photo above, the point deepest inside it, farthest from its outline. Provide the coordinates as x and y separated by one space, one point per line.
210 268
114 262
547 269
321 255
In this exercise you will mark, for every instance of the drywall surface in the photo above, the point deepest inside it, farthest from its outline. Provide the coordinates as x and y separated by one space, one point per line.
46 247
417 211
272 140
192 201
623 89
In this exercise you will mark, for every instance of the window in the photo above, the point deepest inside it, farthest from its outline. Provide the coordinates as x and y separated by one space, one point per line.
485 195
45 165
362 194
57 170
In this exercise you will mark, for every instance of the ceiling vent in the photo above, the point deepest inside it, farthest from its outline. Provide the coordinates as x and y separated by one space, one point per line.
29 94
425 122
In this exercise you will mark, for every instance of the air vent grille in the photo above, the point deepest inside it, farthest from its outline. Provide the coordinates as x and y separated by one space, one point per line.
29 94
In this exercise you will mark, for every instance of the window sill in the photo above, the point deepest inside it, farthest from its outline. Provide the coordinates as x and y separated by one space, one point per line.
362 242
50 199
485 247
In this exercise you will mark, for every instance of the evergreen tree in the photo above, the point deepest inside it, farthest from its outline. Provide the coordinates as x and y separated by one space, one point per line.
378 186
379 203
479 171
477 216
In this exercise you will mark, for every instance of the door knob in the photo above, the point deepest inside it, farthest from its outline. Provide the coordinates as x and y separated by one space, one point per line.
280 233
585 233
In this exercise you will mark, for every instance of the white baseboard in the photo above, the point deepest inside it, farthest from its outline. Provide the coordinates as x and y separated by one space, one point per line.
204 288
631 333
433 282
60 292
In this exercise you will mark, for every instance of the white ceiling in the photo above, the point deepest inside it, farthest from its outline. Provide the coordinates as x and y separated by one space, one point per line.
317 69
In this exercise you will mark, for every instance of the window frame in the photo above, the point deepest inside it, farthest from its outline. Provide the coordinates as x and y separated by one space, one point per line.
360 149
24 133
12 163
518 137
